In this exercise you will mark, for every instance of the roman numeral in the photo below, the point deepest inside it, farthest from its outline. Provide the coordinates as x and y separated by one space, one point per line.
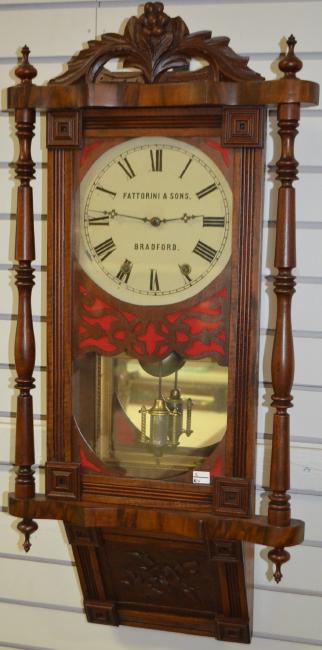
185 168
126 167
156 160
125 271
206 190
215 222
104 189
105 249
185 270
205 251
154 280
103 220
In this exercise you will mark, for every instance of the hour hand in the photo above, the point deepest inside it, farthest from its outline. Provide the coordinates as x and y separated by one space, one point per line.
153 221
112 214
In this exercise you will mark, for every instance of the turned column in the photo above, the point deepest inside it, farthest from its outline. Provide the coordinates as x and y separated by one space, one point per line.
25 341
279 511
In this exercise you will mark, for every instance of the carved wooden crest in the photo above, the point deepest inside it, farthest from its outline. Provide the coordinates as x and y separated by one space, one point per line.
161 49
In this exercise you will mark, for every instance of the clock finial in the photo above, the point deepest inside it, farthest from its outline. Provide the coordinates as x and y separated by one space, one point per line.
154 21
25 71
290 64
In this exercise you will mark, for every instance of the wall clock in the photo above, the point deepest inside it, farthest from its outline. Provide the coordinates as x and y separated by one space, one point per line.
155 182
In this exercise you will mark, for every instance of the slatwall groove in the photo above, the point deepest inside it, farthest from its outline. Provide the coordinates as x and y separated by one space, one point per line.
284 637
12 414
11 216
311 542
14 646
64 4
41 560
13 317
311 334
40 605
296 386
300 225
282 590
11 366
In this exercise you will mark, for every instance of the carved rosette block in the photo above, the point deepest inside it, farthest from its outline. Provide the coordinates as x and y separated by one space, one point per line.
25 341
63 480
279 511
232 496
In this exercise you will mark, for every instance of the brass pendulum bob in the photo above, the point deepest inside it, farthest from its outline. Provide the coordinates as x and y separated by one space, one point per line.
175 405
159 423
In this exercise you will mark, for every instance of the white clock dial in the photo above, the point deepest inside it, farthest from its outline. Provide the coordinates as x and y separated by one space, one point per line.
155 221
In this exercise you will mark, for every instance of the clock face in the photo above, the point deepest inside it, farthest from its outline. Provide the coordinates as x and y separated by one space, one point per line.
155 221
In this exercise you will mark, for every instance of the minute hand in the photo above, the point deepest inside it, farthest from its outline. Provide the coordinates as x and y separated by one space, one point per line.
217 221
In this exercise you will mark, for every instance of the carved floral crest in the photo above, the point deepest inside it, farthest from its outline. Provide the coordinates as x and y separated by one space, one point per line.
160 48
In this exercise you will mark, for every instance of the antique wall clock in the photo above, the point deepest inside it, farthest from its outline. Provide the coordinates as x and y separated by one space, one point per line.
155 177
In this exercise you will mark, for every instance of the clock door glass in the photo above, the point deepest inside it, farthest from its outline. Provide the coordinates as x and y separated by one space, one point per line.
152 281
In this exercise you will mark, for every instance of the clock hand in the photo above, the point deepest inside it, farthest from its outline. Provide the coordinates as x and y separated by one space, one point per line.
185 218
208 221
154 221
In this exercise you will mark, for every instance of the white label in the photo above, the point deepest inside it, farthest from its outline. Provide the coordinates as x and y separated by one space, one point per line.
201 477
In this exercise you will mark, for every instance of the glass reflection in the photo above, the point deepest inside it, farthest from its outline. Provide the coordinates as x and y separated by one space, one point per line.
140 420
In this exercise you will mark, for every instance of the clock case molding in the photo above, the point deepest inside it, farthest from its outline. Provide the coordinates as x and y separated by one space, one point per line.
144 547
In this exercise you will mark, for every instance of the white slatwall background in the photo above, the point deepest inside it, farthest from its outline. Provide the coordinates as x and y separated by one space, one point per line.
40 599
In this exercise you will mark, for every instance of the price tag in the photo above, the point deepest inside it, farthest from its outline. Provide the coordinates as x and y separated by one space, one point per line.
201 477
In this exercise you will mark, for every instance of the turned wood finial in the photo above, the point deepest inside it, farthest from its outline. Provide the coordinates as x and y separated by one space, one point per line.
290 64
278 556
25 71
154 21
27 527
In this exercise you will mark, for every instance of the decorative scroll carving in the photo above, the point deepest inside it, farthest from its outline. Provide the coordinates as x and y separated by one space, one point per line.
158 46
158 578
194 333
279 511
25 340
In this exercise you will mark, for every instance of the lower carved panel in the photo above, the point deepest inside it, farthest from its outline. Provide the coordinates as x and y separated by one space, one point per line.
164 583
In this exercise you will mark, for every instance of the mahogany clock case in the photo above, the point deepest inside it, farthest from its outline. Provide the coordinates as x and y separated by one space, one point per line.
153 549
154 573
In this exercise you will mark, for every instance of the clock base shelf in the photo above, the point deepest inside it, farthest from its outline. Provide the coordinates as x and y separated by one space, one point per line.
188 572
191 524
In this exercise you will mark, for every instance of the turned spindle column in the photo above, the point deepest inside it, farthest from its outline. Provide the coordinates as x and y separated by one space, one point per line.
25 341
279 511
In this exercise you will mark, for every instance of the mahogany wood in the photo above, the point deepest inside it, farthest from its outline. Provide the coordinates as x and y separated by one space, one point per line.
155 44
206 93
25 340
109 518
59 302
279 511
255 529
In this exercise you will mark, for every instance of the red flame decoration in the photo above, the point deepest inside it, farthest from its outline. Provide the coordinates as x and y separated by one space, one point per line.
196 332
